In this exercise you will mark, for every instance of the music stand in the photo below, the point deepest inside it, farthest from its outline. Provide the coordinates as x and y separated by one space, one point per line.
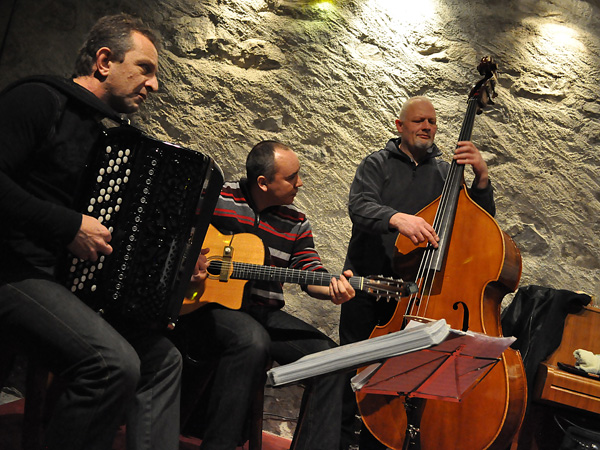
445 371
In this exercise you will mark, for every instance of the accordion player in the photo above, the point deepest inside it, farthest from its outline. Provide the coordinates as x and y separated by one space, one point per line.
157 200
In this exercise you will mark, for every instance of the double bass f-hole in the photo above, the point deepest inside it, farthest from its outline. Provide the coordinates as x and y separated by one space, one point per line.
465 325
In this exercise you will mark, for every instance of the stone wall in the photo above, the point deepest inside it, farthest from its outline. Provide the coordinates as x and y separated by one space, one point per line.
329 78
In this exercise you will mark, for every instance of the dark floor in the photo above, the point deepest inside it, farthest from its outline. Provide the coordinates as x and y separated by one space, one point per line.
11 416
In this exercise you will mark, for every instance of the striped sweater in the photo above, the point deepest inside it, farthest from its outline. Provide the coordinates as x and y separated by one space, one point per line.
284 230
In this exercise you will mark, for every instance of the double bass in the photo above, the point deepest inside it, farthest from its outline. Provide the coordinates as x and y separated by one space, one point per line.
462 281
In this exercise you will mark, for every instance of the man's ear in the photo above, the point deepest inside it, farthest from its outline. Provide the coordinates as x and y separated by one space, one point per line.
399 126
103 58
262 183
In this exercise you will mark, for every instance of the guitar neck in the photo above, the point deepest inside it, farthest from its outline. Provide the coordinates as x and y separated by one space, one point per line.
245 271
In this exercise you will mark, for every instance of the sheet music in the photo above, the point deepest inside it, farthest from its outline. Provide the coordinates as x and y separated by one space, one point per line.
414 337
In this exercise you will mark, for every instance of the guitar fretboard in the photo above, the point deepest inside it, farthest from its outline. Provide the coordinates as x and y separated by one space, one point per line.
245 271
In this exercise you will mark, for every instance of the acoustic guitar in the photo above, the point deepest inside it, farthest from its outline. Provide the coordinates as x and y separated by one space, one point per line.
234 259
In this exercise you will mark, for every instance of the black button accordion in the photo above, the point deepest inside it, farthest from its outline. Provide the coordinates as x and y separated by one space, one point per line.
157 200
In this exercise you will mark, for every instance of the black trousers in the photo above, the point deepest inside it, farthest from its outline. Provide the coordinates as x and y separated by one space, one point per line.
358 318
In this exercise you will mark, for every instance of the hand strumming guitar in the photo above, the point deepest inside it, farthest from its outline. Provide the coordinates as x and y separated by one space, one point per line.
200 274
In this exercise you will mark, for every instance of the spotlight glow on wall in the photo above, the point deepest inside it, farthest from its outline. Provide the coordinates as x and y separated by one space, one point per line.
557 39
324 5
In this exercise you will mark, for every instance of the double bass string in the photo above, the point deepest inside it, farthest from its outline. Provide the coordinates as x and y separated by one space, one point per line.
442 224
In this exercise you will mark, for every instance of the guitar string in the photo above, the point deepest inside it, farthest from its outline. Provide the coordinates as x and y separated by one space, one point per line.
243 270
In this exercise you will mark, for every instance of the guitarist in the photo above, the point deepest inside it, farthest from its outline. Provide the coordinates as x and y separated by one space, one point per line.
243 341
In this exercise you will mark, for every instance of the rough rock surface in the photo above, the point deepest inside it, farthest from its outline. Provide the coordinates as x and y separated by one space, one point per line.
328 78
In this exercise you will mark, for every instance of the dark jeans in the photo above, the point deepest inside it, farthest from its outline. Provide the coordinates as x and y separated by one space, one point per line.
243 342
107 377
358 318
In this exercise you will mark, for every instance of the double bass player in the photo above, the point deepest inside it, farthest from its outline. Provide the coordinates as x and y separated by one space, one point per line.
390 186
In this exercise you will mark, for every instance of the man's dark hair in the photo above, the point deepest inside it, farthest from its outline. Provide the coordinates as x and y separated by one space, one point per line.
113 32
261 160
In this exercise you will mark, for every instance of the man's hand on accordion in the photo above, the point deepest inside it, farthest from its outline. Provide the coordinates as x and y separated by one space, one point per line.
91 239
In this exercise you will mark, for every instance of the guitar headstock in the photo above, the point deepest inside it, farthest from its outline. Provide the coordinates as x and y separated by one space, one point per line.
389 288
485 89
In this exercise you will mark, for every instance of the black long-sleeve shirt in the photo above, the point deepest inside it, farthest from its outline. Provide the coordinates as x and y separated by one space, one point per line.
45 139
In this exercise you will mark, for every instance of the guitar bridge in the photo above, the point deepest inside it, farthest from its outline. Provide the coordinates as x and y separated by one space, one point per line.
227 257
